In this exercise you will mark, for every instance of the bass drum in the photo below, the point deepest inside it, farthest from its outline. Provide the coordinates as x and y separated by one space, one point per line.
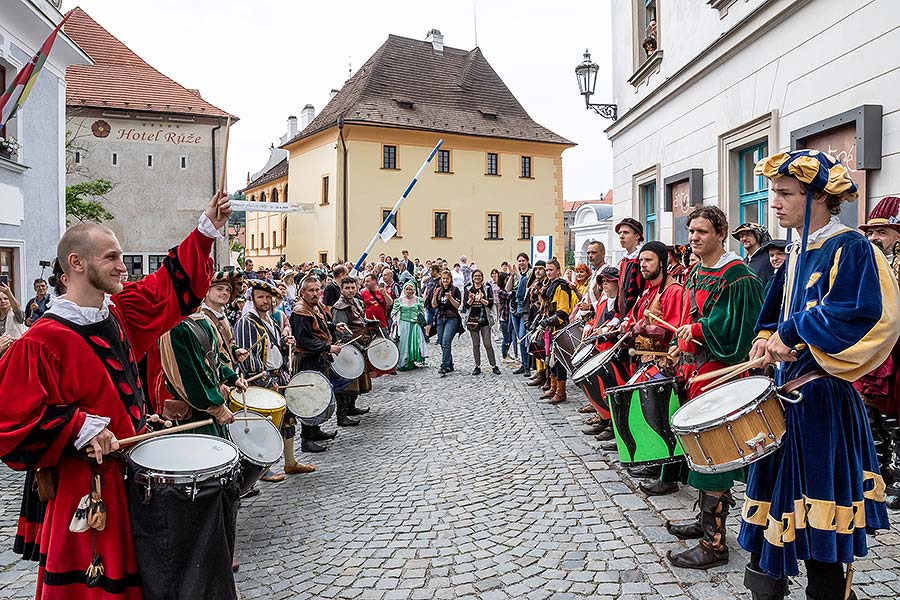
603 370
565 343
313 403
259 443
641 416
383 354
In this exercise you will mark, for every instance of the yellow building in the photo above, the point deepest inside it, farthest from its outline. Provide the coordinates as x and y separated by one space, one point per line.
266 232
496 181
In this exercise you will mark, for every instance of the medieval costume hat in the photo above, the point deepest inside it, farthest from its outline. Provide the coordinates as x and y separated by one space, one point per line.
885 214
761 233
780 244
608 274
232 278
264 286
633 223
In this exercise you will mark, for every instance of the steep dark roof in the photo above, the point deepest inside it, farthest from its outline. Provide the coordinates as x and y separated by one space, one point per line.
405 83
277 172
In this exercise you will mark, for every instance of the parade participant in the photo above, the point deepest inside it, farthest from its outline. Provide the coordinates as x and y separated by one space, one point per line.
581 283
677 269
224 288
534 304
775 250
558 301
269 356
631 235
721 300
752 237
446 301
37 306
71 382
518 311
349 318
604 320
830 317
478 299
411 340
314 335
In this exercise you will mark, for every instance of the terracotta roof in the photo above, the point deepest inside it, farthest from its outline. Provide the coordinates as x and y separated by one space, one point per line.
405 83
574 205
277 172
121 79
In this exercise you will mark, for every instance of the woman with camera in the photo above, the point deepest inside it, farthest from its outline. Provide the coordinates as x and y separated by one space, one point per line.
12 319
479 300
446 300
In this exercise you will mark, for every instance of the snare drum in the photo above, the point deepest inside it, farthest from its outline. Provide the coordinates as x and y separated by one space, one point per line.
260 400
582 354
349 364
383 354
731 426
565 343
259 443
601 371
313 404
641 416
179 485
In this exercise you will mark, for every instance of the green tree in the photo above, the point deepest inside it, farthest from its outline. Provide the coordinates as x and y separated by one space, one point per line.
84 201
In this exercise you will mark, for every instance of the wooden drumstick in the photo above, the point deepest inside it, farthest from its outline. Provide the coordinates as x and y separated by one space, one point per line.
741 368
713 374
296 385
848 589
350 342
668 325
633 352
256 377
146 436
224 169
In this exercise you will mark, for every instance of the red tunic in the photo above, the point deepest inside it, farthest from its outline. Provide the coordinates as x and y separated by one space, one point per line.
376 305
58 373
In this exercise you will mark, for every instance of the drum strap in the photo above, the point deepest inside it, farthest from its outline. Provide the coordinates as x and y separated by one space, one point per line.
209 357
795 384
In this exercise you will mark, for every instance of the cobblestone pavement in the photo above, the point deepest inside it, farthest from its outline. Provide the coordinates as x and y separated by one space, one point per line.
466 487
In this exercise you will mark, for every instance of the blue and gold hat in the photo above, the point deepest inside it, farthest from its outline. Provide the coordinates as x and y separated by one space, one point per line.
817 169
232 278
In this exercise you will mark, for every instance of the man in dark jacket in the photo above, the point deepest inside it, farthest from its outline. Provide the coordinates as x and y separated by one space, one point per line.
752 237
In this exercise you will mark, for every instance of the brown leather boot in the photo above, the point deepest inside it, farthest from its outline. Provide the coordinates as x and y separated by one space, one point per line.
560 395
547 383
711 551
551 391
539 379
587 408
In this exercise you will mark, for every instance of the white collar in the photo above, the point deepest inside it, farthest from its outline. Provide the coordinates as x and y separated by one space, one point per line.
833 226
212 310
724 260
634 253
80 315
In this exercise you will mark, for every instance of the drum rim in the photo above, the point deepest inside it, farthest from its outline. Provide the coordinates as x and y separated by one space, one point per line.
744 410
566 330
738 463
575 377
234 396
327 381
354 351
395 357
237 417
179 477
575 354
636 386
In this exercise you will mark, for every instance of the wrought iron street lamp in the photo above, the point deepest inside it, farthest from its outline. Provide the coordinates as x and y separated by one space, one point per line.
586 73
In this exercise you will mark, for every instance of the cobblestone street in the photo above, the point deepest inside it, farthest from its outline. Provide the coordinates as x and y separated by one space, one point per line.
466 487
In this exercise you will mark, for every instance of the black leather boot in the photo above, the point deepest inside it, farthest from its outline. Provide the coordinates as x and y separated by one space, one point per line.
343 405
763 587
711 550
356 411
314 433
689 530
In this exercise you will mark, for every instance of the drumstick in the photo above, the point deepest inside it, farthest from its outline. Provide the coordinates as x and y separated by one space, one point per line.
713 374
849 587
224 170
350 342
669 326
255 377
296 385
146 436
752 364
633 352
244 403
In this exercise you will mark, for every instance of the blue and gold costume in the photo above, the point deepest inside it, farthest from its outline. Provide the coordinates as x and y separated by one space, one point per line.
821 492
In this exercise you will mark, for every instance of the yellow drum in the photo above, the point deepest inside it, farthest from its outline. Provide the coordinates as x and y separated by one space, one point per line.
260 400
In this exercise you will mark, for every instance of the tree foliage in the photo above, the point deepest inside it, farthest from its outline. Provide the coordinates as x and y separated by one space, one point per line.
84 201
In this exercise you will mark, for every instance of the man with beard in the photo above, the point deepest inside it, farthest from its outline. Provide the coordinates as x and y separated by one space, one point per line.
721 301
348 316
752 237
269 356
314 335
880 389
71 383
631 284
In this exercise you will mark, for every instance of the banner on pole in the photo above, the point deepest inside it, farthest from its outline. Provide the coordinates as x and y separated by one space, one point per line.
274 207
541 248
388 232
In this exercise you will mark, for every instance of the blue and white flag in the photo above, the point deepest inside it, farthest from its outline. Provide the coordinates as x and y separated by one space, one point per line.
388 232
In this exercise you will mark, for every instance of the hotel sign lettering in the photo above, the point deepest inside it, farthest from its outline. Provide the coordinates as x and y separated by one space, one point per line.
158 136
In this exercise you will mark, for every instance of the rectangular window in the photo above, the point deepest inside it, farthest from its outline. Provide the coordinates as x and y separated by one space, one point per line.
493 226
184 162
324 191
284 230
77 157
389 157
7 266
443 161
441 224
648 205
274 239
526 167
115 159
647 35
525 227
134 263
150 161
154 262
323 258
253 241
262 241
752 189
384 215
493 164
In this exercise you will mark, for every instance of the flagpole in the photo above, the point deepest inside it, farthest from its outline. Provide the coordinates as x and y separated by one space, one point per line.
397 205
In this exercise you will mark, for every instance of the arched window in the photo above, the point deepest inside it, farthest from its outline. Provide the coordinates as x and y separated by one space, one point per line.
253 198
274 194
285 193
262 196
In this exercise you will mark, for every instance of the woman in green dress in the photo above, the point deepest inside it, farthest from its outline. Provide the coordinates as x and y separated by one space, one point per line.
405 314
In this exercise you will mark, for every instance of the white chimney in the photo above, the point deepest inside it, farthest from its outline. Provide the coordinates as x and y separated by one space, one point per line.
436 38
306 115
333 93
292 127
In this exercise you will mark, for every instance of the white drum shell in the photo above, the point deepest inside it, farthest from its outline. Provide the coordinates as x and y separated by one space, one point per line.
183 458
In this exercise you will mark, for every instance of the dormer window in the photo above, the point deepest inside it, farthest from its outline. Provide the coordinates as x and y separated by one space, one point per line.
404 102
489 115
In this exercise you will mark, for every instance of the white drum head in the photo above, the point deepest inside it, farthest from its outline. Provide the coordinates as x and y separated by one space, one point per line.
592 364
311 401
259 398
262 444
583 354
383 354
183 453
349 364
720 402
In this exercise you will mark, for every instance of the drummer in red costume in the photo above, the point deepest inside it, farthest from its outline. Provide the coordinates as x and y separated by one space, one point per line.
71 384
721 301
631 284
604 320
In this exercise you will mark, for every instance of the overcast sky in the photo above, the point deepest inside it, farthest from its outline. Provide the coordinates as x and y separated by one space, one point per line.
265 59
